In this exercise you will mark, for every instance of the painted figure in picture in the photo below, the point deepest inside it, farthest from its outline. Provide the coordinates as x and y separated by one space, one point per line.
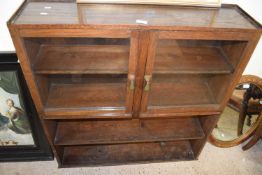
17 119
15 128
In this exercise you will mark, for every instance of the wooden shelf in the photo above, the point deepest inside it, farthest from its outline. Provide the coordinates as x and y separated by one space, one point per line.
191 60
127 131
75 59
127 153
88 95
181 91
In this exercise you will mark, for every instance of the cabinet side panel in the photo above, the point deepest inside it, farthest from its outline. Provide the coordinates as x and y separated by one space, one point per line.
233 51
207 123
219 86
239 69
32 86
26 68
50 131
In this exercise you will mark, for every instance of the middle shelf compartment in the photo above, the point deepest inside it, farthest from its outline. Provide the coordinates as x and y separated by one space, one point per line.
190 91
178 56
78 55
181 90
61 59
86 95
108 94
127 131
83 94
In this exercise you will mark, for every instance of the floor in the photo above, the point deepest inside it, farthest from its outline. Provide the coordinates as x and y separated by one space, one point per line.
213 160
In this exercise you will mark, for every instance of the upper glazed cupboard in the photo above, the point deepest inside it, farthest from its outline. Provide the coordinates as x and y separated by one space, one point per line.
125 65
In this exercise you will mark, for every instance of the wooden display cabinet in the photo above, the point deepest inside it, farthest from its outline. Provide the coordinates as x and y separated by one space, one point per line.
111 90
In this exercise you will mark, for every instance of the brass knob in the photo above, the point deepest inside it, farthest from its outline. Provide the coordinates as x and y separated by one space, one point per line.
147 82
132 84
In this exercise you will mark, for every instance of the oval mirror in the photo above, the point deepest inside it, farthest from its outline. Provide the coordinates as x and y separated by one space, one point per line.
242 114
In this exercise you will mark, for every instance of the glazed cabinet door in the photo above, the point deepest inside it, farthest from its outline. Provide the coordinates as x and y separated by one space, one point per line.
188 73
91 75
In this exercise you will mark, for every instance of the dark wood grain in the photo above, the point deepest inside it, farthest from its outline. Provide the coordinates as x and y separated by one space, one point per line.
127 131
127 153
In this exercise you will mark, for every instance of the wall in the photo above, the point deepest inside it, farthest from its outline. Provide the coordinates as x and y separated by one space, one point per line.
253 7
7 8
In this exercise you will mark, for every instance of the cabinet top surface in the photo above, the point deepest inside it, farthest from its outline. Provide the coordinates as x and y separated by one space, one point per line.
50 13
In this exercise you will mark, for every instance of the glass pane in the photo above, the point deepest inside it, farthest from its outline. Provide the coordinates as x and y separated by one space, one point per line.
192 72
80 72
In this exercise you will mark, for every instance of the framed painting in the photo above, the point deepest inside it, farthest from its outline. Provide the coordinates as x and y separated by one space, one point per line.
206 3
21 134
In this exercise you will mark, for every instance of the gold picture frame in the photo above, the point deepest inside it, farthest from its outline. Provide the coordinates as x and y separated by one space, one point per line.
206 3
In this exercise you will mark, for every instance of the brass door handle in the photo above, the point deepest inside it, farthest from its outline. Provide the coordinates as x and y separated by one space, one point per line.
132 83
147 82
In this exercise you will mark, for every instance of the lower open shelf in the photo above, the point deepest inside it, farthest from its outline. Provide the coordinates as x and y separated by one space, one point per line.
93 155
127 131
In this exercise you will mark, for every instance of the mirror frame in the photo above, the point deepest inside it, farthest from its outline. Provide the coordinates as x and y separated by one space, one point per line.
225 144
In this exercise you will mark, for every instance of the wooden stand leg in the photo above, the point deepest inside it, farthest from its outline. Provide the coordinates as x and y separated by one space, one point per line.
249 120
257 135
241 120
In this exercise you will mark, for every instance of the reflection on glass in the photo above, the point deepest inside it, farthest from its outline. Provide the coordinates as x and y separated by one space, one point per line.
226 129
241 113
